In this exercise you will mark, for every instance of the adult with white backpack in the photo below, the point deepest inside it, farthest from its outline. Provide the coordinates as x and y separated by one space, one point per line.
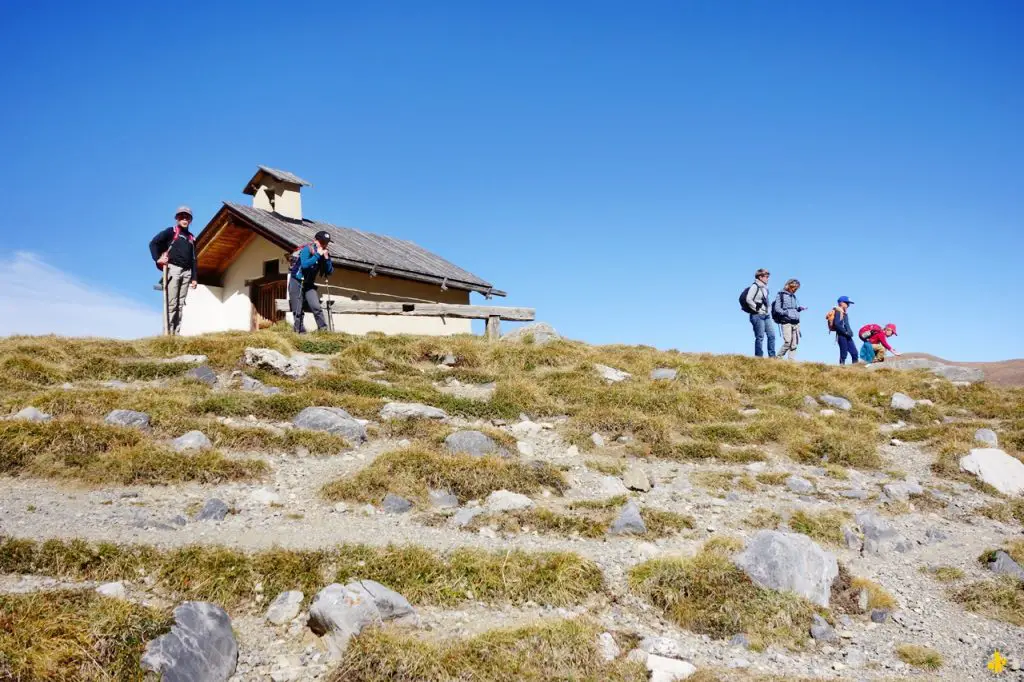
755 301
786 311
174 252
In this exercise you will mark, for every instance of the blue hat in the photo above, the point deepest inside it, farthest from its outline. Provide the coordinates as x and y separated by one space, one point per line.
845 299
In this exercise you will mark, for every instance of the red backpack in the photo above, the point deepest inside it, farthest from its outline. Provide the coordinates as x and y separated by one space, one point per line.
177 233
869 330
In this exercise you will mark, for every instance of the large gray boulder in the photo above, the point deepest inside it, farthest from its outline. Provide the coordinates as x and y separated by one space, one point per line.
192 441
987 436
332 420
789 562
951 372
475 443
879 535
1004 564
391 604
411 411
539 332
129 418
340 613
836 402
285 607
629 521
267 358
256 386
31 414
200 647
996 468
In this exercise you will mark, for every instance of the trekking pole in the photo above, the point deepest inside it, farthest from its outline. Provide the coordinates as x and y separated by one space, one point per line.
167 322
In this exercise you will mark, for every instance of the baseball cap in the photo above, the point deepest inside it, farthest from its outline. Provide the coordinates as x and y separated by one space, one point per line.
892 327
183 209
845 299
322 236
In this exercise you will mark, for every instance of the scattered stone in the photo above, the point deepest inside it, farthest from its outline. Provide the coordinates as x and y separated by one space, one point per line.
264 496
879 535
901 491
836 402
332 420
934 534
192 441
799 485
629 521
213 510
863 600
610 374
285 607
539 332
851 538
610 486
1004 564
987 436
789 561
740 640
879 615
951 372
267 358
662 646
902 401
442 499
184 360
664 669
395 504
821 631
827 413
636 479
411 411
810 403
339 613
256 386
202 374
664 374
389 603
607 647
597 439
113 590
464 516
31 414
506 500
200 647
854 494
475 443
129 418
996 468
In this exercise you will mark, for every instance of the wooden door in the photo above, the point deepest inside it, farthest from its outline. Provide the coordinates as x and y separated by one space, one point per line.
265 311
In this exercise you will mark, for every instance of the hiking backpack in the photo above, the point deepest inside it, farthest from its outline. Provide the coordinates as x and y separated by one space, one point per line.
177 233
293 265
830 319
869 330
778 313
743 301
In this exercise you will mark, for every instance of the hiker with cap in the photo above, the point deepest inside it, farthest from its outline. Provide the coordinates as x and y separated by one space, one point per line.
876 342
309 261
755 302
839 322
174 251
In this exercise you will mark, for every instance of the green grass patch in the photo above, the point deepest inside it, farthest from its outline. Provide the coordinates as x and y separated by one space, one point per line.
944 574
412 471
553 650
74 635
824 526
585 519
919 656
1000 598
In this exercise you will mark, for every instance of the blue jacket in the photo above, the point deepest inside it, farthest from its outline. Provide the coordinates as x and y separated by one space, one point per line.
309 264
842 324
786 308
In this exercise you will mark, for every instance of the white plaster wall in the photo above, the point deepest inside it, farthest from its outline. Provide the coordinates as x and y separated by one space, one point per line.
202 312
237 309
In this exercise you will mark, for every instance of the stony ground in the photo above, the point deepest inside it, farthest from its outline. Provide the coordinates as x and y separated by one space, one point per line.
287 510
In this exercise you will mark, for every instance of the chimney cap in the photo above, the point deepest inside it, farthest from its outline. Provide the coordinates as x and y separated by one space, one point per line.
280 175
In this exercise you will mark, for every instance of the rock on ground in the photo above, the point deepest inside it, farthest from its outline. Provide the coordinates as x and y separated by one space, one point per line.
789 561
821 631
540 332
836 402
202 373
1004 564
332 420
131 418
902 401
193 441
465 516
800 486
879 535
987 436
664 669
267 358
200 647
113 590
607 647
389 603
901 491
505 500
951 372
340 613
31 414
395 504
285 607
597 439
629 521
411 411
257 386
265 496
442 499
610 374
475 443
636 479
996 468
213 510
664 374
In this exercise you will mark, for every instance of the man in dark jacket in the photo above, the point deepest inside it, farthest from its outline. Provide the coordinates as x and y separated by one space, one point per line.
844 332
309 261
175 250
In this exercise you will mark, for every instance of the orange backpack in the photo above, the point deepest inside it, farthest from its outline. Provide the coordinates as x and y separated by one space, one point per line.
830 319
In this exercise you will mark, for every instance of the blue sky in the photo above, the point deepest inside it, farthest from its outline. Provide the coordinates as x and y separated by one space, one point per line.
622 167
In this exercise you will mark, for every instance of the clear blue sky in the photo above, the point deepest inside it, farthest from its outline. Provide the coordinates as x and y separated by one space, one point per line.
622 167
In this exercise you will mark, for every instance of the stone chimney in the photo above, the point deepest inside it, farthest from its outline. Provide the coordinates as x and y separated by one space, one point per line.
277 191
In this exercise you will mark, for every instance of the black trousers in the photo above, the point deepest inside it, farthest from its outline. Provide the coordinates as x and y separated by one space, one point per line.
302 298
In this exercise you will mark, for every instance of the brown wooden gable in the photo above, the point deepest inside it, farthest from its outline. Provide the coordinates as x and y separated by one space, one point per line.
221 242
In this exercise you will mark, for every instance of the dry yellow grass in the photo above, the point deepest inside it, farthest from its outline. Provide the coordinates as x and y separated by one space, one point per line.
919 656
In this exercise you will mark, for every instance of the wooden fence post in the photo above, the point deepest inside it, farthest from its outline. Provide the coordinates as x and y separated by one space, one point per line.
493 327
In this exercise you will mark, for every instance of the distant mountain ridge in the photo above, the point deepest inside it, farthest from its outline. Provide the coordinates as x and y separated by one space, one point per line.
1002 373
